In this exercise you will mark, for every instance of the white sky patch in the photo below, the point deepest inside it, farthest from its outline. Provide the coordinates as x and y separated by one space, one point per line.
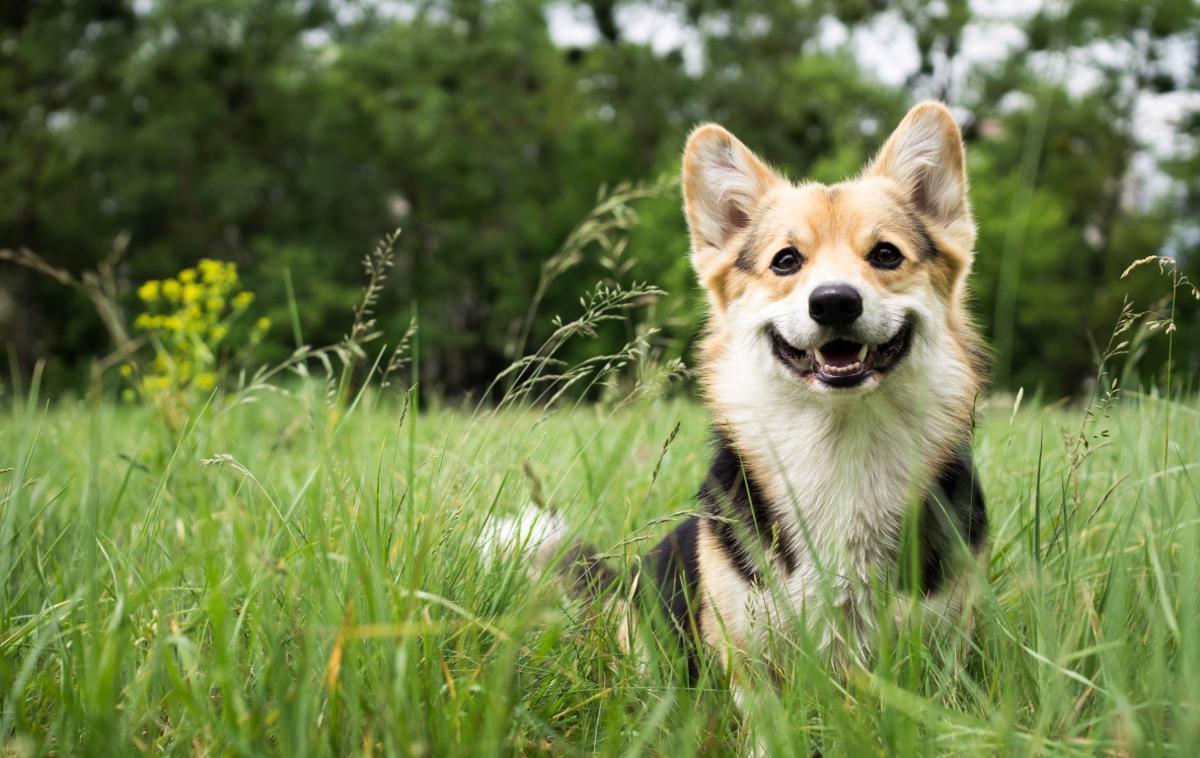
990 41
571 25
886 47
831 33
1157 126
662 32
1012 10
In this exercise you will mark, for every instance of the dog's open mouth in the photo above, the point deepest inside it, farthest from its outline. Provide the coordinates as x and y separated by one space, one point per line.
842 362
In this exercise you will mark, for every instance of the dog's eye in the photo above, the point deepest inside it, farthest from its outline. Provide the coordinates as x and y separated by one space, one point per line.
885 255
787 261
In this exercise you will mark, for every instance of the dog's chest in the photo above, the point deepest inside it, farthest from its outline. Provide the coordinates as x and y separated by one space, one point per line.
840 488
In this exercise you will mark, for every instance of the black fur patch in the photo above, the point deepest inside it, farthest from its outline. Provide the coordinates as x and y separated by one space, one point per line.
674 566
928 248
745 256
738 512
590 575
748 251
952 515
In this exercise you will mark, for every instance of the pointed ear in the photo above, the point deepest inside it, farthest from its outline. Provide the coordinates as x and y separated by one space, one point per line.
722 183
925 157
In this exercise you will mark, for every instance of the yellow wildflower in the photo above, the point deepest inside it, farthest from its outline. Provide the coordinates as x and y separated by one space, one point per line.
148 292
155 383
186 319
210 270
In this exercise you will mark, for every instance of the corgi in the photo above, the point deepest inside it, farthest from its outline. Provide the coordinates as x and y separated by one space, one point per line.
841 367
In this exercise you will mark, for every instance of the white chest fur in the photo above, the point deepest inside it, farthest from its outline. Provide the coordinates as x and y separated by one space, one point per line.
840 475
840 485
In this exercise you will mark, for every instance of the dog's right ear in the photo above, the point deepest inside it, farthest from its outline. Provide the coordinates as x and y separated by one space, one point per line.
722 183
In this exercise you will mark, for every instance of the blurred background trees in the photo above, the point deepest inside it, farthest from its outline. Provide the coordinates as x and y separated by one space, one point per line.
287 135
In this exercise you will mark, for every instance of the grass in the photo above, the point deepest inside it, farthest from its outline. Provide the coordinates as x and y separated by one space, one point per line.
279 579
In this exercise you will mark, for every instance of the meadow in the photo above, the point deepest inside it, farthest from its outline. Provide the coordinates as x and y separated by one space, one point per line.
234 522
292 577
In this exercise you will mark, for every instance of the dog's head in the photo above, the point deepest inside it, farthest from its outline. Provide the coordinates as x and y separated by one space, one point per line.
835 289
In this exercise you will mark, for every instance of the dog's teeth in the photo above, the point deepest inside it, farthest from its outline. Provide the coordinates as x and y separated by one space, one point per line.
820 358
862 353
847 369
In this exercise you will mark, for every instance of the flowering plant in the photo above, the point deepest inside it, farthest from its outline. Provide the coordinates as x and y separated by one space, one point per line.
188 320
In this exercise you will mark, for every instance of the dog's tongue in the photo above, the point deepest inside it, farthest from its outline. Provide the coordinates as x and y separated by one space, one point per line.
840 352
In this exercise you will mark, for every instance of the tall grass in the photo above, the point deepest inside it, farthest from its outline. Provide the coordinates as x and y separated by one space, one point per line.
265 583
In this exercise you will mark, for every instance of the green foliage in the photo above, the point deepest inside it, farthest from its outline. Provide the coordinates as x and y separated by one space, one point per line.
285 136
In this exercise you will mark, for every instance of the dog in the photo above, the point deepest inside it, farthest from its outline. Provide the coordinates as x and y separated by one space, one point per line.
841 367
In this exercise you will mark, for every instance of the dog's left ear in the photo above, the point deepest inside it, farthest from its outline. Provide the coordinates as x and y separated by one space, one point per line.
925 157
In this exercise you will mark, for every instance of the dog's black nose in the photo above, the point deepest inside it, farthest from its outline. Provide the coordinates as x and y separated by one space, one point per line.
835 305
